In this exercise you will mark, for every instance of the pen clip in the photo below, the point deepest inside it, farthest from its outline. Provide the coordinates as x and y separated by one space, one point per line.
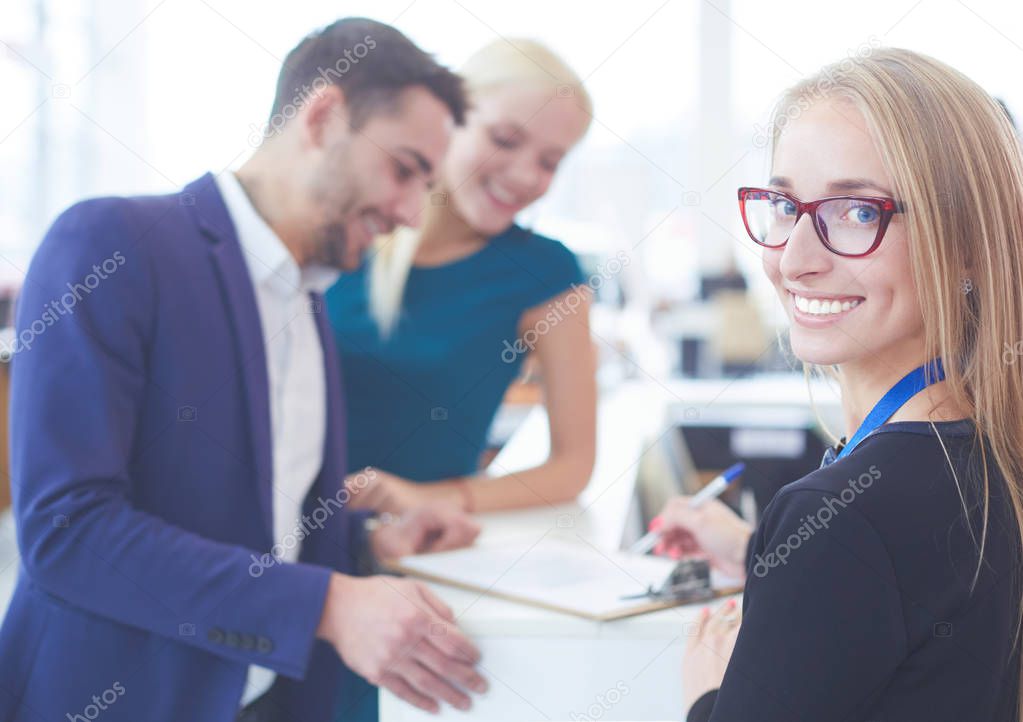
689 581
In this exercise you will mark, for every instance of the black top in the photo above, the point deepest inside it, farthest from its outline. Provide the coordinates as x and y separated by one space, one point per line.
858 602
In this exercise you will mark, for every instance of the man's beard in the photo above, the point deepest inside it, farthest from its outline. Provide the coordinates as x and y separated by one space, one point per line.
336 193
331 246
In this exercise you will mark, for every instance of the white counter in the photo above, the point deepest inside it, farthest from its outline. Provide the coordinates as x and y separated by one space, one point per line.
548 666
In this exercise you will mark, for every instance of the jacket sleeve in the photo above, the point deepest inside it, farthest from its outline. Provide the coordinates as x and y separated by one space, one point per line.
85 315
822 629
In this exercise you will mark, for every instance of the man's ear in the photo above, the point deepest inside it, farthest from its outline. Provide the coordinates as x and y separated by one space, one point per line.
326 112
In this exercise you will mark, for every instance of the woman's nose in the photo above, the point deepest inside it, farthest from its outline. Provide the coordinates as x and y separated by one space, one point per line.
523 175
804 253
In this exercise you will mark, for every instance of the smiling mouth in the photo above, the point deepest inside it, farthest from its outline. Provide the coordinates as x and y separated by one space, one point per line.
501 195
824 306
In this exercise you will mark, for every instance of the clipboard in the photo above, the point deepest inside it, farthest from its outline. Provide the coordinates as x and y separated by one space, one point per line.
561 575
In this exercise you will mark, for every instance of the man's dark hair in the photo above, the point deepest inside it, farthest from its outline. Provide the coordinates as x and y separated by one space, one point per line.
371 62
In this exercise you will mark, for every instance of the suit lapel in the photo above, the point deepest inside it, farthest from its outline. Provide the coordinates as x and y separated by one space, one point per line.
243 311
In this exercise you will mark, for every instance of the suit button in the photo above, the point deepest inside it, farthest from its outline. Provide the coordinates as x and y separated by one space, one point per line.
264 645
248 642
215 635
232 639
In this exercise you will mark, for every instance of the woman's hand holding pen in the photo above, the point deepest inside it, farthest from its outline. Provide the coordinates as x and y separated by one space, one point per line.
712 529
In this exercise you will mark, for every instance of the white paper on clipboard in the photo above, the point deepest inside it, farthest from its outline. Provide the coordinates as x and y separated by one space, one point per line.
551 572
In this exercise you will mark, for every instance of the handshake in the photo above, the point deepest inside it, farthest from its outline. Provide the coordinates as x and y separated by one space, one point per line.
395 632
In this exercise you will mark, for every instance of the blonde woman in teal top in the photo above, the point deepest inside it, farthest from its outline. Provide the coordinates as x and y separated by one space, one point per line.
435 328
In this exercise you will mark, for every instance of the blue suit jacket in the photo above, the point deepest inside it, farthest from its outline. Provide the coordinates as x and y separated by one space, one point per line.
141 472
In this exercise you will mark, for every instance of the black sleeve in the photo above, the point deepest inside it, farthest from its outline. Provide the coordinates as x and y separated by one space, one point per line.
702 708
822 628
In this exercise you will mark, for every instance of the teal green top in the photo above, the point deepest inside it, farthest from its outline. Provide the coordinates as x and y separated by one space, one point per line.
420 402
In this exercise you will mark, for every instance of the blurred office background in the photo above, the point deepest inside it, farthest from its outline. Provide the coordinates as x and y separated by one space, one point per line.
136 96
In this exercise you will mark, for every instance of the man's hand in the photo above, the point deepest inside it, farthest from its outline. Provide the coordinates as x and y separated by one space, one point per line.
427 529
398 635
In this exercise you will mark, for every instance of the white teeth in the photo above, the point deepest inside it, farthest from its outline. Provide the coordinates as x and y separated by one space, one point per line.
820 307
501 194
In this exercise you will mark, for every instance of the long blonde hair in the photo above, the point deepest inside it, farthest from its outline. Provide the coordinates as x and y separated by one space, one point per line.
956 163
517 61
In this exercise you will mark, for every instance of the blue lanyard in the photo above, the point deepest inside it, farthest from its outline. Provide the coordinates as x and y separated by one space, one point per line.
909 386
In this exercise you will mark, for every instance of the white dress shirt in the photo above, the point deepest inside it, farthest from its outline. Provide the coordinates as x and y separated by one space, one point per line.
294 360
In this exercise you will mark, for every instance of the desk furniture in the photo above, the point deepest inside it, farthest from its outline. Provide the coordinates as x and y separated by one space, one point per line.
548 666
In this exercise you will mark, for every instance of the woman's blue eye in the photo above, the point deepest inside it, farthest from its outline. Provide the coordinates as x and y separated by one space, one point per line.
864 214
784 207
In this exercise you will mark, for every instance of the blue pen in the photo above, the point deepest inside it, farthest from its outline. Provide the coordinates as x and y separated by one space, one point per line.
713 490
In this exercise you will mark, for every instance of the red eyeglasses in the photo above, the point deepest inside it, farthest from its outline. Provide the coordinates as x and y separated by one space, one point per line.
850 226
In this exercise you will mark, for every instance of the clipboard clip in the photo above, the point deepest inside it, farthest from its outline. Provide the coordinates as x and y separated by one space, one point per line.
689 581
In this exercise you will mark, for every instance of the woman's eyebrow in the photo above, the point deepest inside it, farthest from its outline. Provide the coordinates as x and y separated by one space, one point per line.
843 185
854 184
511 127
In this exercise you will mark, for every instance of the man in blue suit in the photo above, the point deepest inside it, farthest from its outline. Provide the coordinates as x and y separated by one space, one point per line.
178 425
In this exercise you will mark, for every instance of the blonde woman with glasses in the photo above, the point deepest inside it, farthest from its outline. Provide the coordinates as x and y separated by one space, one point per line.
885 585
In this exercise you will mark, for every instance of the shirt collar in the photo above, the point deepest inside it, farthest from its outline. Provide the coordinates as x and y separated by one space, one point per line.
319 278
269 261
